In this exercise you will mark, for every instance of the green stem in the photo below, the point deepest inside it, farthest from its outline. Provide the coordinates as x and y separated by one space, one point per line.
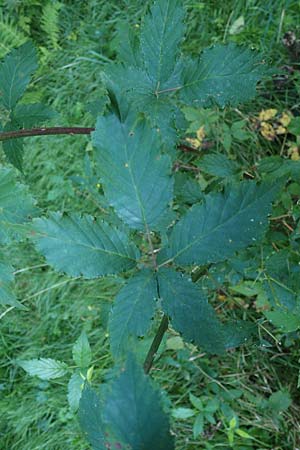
156 343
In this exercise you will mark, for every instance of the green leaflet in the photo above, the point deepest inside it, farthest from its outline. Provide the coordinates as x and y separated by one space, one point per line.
14 148
224 74
15 72
219 165
161 34
127 45
195 318
133 410
190 312
126 415
136 176
75 387
7 295
44 368
84 246
81 351
32 114
212 231
16 205
133 310
90 418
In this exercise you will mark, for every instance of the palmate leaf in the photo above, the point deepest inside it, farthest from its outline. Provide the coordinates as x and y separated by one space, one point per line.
224 74
15 72
190 312
154 75
135 85
136 176
133 310
214 230
84 246
16 205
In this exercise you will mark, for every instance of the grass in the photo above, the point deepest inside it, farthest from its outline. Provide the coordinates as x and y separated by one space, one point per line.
35 413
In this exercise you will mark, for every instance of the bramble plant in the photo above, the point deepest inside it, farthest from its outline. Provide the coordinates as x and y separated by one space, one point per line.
136 141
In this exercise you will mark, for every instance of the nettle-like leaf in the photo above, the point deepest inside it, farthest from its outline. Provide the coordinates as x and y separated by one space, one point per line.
190 312
224 74
14 148
16 206
90 418
162 32
82 354
7 295
32 114
75 388
44 368
84 246
129 417
15 72
133 310
224 223
136 176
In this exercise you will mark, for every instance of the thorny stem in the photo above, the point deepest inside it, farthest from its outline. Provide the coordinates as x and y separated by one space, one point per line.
17 134
44 132
156 343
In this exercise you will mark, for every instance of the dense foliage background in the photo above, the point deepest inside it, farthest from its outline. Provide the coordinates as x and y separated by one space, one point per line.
256 385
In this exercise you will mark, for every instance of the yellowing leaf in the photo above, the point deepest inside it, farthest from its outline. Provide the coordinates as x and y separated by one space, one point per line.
284 119
294 153
267 114
237 25
267 131
200 134
280 130
195 143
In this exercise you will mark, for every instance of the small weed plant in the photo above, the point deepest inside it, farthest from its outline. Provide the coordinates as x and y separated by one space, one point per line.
161 241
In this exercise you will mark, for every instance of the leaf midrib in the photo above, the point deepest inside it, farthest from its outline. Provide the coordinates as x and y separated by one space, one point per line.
211 231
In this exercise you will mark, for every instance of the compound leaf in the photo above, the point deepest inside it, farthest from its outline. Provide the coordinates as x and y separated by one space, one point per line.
224 74
132 410
224 223
15 72
84 246
44 368
16 205
161 34
190 312
133 310
136 176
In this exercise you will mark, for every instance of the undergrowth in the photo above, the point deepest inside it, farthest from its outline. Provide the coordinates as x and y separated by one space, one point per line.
82 39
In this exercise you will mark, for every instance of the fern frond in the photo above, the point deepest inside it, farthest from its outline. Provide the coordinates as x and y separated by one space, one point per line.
50 23
10 36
